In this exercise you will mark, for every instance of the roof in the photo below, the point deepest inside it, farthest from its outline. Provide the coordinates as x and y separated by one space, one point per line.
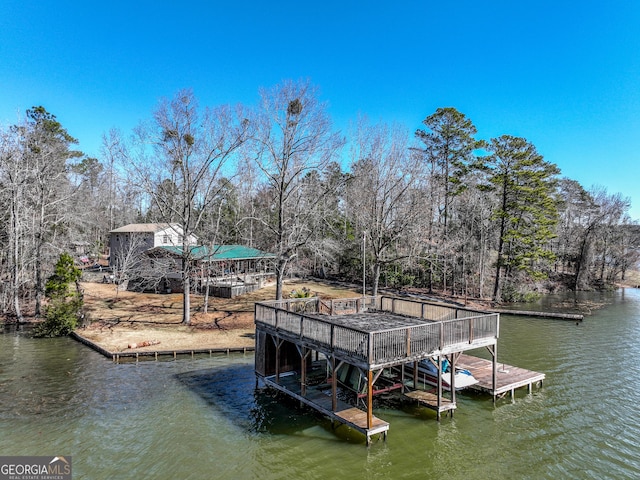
373 321
146 227
218 252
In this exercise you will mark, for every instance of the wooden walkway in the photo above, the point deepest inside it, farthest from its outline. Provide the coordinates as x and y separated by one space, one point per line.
508 378
321 401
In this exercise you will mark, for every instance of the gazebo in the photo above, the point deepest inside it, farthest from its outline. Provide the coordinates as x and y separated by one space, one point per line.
227 270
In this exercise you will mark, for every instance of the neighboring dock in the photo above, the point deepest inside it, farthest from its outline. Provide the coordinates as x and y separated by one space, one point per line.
134 355
508 377
525 313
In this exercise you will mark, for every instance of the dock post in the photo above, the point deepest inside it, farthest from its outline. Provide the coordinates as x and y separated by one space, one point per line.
494 383
454 358
303 373
334 385
439 388
369 399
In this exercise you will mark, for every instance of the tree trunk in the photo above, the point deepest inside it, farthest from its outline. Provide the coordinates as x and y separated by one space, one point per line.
376 279
38 263
582 266
430 275
280 269
186 300
207 281
15 270
497 293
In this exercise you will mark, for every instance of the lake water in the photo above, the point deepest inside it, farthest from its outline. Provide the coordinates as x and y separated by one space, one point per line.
203 419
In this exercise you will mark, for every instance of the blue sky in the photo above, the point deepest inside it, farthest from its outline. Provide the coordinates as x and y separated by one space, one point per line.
563 74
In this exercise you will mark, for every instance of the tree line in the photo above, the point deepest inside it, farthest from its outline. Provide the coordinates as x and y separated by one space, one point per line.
437 209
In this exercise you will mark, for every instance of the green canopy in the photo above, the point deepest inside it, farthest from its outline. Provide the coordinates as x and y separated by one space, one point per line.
219 252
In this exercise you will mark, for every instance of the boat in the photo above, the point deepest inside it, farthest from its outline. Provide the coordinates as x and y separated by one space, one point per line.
428 373
352 378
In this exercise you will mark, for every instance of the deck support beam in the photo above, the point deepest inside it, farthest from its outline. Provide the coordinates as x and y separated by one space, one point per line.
439 388
303 370
493 349
369 399
334 382
454 360
278 342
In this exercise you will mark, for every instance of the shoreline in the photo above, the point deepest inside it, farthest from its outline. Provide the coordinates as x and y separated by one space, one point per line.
151 323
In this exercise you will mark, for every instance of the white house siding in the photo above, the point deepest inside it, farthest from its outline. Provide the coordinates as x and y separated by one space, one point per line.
151 235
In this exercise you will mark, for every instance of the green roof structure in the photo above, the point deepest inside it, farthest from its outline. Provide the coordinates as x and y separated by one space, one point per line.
218 253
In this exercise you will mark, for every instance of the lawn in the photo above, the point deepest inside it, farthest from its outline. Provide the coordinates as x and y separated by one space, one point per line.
119 319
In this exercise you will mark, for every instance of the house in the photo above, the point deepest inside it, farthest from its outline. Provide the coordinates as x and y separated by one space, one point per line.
136 238
151 256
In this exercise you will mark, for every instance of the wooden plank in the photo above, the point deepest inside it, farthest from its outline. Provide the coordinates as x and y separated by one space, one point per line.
358 419
508 377
156 353
430 400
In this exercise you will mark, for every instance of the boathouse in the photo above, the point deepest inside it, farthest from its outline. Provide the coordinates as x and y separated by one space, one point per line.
308 348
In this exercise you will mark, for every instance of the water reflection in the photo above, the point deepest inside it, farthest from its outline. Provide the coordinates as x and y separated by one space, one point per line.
235 394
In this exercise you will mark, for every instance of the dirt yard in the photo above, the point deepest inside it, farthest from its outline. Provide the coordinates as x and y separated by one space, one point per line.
117 320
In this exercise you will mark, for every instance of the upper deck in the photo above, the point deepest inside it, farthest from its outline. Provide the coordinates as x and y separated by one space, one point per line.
377 332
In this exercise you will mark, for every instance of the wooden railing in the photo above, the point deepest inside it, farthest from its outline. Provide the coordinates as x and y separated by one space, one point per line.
447 334
428 311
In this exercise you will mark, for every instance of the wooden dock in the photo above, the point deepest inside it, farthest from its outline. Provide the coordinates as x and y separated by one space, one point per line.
322 402
562 316
367 336
133 355
430 400
508 377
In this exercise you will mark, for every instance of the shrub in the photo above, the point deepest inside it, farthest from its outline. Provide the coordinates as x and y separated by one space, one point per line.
518 294
65 300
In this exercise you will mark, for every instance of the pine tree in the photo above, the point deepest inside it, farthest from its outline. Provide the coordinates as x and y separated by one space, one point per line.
526 212
448 153
65 300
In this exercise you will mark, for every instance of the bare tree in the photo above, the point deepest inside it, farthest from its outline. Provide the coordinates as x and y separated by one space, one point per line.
601 235
384 191
13 179
34 170
293 138
179 173
46 153
322 252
